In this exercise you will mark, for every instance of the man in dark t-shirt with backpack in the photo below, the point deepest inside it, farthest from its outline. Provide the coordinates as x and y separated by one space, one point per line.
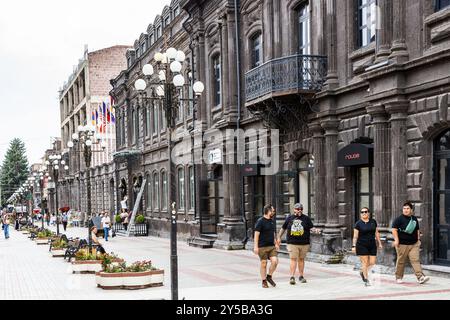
265 245
405 230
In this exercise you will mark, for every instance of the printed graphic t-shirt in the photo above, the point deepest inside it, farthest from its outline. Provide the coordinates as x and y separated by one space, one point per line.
298 229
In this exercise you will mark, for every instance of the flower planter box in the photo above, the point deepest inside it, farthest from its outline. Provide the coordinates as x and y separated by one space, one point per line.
57 252
130 280
41 241
89 266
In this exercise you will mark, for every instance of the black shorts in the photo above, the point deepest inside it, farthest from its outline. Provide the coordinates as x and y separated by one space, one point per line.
366 249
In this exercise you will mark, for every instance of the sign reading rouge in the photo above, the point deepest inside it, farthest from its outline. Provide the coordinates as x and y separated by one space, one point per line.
356 154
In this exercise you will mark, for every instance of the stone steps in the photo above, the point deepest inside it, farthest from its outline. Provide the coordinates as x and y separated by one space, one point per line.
205 241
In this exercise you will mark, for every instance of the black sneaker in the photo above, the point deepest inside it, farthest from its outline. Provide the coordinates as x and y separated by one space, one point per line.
292 280
270 280
362 276
301 279
264 284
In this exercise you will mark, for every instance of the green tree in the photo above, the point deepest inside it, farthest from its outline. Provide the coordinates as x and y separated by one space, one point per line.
14 169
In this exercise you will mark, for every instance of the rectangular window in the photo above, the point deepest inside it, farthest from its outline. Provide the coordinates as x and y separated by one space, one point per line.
366 22
217 81
143 47
441 4
364 190
166 21
304 27
151 39
181 197
176 11
256 51
158 32
133 118
191 188
163 120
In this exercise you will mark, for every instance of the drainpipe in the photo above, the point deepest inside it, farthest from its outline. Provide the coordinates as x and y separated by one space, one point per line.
238 73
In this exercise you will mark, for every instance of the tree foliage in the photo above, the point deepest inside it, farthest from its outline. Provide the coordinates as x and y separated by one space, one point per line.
14 170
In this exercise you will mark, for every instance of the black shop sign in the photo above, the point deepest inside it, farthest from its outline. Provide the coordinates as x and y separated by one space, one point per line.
356 154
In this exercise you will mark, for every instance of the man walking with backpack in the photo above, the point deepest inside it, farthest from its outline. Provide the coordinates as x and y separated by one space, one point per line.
405 230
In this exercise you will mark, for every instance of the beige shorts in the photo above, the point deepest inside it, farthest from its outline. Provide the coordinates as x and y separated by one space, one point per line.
267 252
298 251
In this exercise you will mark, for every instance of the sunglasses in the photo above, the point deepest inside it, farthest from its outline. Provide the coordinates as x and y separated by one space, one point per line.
365 211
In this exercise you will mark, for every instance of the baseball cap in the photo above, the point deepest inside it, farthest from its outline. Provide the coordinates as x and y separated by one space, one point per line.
298 206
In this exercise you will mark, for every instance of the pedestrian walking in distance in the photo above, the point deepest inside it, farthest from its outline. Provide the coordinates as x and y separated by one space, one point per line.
365 238
6 221
405 230
265 245
106 223
299 227
64 220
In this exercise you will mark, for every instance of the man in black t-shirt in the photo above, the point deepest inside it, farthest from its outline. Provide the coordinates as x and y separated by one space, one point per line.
405 230
299 228
265 246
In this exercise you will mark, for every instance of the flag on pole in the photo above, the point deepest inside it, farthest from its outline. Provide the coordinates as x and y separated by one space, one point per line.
93 118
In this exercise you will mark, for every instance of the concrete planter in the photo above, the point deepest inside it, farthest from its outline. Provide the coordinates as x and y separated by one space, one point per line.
130 280
90 266
57 252
41 241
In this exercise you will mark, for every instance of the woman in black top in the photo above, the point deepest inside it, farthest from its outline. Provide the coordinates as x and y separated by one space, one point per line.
365 235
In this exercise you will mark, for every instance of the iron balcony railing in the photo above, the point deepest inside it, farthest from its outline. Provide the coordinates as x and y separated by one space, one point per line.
296 72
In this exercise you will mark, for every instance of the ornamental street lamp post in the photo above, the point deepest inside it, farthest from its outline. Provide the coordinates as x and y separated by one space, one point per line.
55 160
167 87
87 136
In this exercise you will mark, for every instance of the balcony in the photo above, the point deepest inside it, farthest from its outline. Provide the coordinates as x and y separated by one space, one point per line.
285 76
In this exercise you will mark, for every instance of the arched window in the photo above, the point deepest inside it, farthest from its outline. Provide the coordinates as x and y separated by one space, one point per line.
181 194
217 80
304 30
156 190
191 188
256 50
149 192
306 184
164 190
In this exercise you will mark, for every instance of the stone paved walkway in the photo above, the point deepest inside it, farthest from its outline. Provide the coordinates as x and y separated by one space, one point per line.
27 271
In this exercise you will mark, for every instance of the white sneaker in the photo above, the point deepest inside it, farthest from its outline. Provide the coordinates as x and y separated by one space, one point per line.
399 281
423 279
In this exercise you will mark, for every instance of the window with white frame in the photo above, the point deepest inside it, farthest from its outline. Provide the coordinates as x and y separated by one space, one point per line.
366 22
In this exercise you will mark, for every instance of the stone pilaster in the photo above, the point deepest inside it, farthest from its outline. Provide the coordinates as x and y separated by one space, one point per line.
232 70
319 174
384 32
332 236
398 113
331 28
399 48
225 65
382 166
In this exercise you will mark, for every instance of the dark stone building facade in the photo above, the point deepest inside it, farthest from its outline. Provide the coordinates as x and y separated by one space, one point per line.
360 93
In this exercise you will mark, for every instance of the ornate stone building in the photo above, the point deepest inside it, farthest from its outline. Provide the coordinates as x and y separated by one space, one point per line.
359 92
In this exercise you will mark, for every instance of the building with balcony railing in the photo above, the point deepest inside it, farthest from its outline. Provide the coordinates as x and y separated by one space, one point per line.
359 91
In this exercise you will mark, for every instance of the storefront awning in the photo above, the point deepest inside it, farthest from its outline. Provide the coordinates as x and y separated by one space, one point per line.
356 154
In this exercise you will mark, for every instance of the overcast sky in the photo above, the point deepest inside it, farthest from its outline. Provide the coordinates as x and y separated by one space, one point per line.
40 42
